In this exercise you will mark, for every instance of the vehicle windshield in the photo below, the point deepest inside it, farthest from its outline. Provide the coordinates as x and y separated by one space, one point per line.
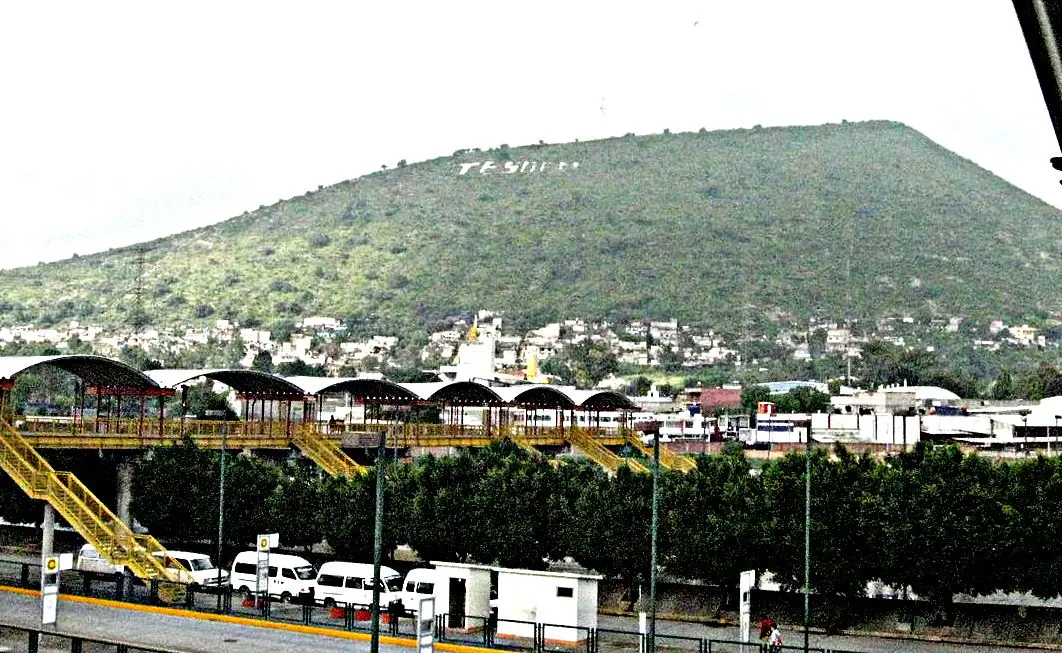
394 583
199 564
306 573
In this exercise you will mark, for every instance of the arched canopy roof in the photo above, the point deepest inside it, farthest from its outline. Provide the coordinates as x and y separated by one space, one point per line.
249 382
360 388
95 371
468 393
599 399
535 396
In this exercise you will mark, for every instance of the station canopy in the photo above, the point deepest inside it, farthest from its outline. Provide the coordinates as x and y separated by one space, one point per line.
361 388
95 371
467 393
600 399
247 382
535 395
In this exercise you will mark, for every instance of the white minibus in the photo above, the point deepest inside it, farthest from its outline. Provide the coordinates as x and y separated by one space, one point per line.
351 583
289 576
419 584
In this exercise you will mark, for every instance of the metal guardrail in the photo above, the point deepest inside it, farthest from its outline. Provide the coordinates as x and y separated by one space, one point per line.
464 629
133 432
36 640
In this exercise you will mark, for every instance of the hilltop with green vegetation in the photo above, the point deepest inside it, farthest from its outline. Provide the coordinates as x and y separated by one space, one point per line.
832 221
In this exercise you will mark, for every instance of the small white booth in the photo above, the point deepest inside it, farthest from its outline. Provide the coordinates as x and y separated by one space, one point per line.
545 597
462 590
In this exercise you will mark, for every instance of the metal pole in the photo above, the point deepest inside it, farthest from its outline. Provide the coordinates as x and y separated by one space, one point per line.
651 639
374 645
47 533
221 511
807 537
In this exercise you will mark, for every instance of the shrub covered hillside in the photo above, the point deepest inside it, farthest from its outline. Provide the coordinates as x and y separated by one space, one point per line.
857 219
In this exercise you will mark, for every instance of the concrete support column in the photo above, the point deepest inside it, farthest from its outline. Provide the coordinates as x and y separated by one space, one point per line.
48 531
125 490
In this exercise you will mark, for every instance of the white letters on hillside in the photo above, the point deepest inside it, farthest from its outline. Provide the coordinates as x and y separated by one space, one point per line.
512 167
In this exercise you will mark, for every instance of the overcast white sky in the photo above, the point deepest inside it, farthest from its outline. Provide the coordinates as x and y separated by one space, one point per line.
122 122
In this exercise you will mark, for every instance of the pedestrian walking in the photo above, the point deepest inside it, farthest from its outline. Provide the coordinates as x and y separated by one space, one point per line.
395 610
766 625
774 640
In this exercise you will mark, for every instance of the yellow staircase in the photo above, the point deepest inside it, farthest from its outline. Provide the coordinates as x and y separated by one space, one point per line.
667 458
325 452
82 510
599 454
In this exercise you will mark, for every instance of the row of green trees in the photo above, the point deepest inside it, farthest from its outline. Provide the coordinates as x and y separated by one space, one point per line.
931 519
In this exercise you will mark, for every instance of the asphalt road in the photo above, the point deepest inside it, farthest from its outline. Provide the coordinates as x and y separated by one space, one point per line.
168 633
187 634
173 633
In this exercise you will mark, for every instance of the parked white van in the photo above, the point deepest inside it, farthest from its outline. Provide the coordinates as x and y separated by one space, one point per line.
419 584
90 560
289 576
351 583
198 568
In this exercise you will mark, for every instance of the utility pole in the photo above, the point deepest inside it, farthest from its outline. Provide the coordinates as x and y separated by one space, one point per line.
381 449
807 537
139 318
221 509
650 646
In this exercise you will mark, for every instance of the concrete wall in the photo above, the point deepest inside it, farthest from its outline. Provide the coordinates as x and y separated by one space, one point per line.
477 591
533 596
878 429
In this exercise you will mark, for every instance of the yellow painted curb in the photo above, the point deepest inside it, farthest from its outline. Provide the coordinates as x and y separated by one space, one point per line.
247 621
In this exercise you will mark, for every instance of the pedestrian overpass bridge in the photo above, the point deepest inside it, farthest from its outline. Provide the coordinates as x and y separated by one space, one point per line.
269 422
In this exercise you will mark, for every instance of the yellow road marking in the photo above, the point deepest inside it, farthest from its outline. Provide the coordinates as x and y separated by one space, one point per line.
247 621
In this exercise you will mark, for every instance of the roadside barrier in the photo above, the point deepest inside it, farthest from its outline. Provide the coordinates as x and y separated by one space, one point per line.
467 630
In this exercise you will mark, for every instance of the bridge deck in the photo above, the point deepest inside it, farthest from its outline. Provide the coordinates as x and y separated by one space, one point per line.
137 434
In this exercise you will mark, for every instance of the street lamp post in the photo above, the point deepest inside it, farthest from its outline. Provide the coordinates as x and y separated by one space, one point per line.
651 639
221 510
807 537
381 452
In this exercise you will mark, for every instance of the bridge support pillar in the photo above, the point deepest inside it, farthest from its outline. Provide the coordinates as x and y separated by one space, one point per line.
125 489
47 531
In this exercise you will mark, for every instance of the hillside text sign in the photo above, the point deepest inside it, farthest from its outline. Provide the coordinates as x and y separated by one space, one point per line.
515 167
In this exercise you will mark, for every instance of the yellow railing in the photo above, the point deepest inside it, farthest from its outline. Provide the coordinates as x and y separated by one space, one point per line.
667 458
167 428
82 510
325 452
597 452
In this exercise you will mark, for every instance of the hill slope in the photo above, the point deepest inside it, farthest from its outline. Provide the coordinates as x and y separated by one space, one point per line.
855 219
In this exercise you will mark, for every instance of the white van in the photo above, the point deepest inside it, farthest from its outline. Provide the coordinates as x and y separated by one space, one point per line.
90 560
351 583
289 576
198 569
419 584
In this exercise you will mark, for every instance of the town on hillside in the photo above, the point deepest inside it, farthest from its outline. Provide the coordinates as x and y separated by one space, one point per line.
772 415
